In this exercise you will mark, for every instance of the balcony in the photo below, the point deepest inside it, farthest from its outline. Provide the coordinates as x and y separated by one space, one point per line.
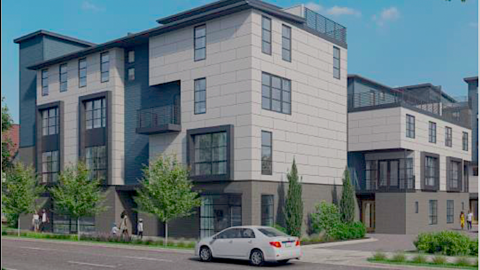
373 183
158 120
326 27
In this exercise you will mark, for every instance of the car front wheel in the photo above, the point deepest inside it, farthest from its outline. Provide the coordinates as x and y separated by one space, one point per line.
256 258
205 254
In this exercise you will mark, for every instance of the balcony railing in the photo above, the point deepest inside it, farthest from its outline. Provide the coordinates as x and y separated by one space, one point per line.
159 120
326 26
373 185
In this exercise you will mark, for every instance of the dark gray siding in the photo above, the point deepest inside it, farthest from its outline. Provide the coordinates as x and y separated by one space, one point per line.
139 95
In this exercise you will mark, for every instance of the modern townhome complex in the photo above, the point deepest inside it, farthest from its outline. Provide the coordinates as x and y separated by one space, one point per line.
236 89
410 150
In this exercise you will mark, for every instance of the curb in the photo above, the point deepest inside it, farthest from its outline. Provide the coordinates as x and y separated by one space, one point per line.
348 242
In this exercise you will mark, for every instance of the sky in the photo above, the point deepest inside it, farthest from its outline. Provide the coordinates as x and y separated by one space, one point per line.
394 42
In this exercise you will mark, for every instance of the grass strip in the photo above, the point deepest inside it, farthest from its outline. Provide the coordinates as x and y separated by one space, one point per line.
426 264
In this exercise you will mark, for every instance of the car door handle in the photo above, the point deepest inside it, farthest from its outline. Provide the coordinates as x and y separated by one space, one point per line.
250 241
231 241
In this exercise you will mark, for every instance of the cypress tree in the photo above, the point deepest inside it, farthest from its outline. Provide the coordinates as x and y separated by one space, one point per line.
347 202
294 203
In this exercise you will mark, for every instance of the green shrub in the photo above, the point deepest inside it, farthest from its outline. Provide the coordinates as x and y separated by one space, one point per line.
419 259
344 231
462 261
474 247
398 257
191 244
439 260
379 256
446 242
325 218
280 228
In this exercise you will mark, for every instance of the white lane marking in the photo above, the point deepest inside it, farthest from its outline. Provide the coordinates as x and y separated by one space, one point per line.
93 264
148 259
36 248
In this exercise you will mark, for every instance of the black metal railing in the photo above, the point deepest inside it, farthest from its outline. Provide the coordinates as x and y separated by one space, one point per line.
404 184
325 26
158 116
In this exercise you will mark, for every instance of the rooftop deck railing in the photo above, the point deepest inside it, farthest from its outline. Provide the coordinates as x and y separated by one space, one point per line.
326 26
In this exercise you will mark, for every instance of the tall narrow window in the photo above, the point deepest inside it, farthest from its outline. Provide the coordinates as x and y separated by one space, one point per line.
276 94
131 74
448 136
131 56
416 207
410 126
383 173
82 72
45 82
50 166
63 71
266 153
266 35
200 86
96 113
336 62
96 162
431 177
105 67
450 211
455 174
286 43
432 212
267 210
432 132
465 141
370 174
200 43
50 121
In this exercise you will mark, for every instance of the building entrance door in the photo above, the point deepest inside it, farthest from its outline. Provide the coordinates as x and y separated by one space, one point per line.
368 215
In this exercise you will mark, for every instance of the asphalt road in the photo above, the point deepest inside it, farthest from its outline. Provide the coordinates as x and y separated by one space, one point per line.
23 254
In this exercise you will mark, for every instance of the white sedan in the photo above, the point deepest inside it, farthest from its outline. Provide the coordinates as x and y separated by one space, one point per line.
257 244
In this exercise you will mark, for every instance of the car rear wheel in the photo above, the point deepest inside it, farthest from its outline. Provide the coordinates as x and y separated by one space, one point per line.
256 258
283 261
205 254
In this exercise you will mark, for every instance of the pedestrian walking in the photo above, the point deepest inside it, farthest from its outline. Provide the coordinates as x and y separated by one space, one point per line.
45 220
114 229
36 221
140 228
124 226
469 220
462 220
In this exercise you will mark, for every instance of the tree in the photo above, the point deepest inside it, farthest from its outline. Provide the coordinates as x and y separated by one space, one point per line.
20 191
347 202
7 123
166 191
294 203
77 195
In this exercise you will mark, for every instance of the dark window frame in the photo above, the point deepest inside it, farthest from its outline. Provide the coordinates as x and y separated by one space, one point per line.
432 132
387 184
266 36
410 126
196 39
448 136
63 77
465 141
268 93
105 67
286 43
270 203
82 80
97 162
44 82
432 212
336 61
416 207
93 110
267 164
429 171
450 211
131 77
48 123
198 91
131 56
49 173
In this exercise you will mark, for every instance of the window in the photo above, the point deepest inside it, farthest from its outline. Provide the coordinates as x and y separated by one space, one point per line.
431 166
96 113
131 74
432 212
50 121
454 175
371 174
389 173
131 56
82 72
448 136
410 126
210 154
407 179
432 132
63 71
45 82
416 207
50 166
266 35
465 141
96 162
218 212
450 211
286 43
200 87
266 153
336 62
200 43
105 67
276 94
267 210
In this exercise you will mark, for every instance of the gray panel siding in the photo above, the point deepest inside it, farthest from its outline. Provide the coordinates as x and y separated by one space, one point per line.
139 95
54 47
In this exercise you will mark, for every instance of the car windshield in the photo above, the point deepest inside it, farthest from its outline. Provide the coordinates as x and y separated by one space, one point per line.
272 232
